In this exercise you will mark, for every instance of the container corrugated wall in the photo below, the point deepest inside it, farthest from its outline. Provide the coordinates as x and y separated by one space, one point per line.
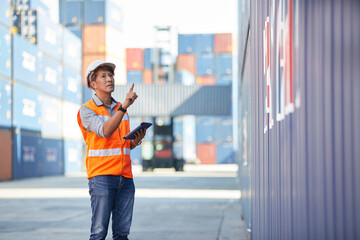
299 104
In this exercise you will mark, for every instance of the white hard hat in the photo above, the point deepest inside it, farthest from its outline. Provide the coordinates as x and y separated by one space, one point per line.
94 65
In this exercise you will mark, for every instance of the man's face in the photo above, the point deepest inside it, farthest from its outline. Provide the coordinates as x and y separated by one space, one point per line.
104 81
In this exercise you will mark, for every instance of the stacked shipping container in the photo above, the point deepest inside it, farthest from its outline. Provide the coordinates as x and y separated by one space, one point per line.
44 66
206 56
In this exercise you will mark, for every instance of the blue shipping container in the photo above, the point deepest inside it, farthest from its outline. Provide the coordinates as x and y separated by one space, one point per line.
178 129
205 130
76 29
24 23
224 129
26 155
178 150
224 80
186 43
87 93
148 58
52 157
72 50
223 64
103 12
134 77
71 12
39 5
5 103
49 37
204 43
135 155
5 12
27 108
225 153
50 76
26 61
205 65
51 117
184 77
72 86
5 52
72 156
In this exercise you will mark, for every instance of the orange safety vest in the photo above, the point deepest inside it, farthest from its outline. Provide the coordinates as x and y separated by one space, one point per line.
107 156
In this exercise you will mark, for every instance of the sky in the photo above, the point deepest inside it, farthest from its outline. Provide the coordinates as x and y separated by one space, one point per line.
184 16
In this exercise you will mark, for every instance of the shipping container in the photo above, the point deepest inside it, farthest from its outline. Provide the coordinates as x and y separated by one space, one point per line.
148 76
186 43
225 153
223 64
102 39
134 77
26 62
50 76
27 108
87 94
178 128
6 154
75 29
205 129
134 59
205 65
39 5
189 138
5 12
72 50
49 37
148 58
186 62
71 12
224 129
224 80
5 52
204 43
72 156
51 119
24 23
120 72
299 106
52 157
185 78
205 80
70 127
222 43
109 12
26 154
206 153
135 154
72 86
5 103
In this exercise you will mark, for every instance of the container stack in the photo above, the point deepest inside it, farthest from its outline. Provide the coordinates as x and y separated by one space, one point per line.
5 92
207 57
40 92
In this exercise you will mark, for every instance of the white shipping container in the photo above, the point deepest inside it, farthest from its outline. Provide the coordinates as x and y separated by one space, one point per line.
70 128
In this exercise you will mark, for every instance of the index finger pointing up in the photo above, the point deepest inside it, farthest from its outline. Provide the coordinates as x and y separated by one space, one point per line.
131 88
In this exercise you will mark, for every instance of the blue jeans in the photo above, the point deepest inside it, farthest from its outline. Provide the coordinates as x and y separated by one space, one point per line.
111 195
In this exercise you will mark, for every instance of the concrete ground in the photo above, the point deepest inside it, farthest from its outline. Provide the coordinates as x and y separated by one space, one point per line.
201 203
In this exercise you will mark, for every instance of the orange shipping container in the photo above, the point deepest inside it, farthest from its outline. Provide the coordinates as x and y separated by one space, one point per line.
134 59
187 62
205 80
148 76
222 43
206 153
103 39
6 155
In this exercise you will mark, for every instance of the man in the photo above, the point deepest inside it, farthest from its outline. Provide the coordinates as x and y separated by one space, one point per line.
104 122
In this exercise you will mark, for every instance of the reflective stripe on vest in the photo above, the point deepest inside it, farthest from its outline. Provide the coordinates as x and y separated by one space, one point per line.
107 152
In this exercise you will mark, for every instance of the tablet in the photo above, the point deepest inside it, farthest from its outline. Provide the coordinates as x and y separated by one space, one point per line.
143 125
